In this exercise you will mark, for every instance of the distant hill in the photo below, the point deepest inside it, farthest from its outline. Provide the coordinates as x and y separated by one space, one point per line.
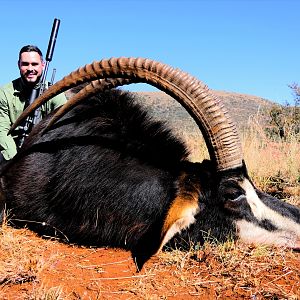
241 107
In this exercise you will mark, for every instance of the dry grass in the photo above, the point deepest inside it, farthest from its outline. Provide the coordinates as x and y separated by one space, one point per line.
22 261
212 271
233 271
16 266
229 271
273 165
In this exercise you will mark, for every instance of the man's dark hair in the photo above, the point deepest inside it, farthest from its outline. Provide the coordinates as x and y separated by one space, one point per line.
30 48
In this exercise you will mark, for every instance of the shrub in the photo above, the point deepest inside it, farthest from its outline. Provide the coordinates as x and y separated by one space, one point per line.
284 120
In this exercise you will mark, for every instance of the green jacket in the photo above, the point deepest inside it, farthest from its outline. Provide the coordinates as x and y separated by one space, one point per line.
12 101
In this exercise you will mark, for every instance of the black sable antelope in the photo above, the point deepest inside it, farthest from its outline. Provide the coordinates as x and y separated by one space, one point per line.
103 173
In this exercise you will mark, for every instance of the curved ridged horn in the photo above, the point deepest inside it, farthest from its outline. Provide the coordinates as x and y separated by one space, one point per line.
89 90
209 113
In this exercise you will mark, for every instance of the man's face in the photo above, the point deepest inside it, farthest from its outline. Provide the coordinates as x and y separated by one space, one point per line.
31 67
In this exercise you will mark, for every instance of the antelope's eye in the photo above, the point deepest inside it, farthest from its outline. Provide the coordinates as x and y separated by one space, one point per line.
234 195
231 190
236 204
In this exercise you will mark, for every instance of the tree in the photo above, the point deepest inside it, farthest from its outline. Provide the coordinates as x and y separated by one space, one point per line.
285 119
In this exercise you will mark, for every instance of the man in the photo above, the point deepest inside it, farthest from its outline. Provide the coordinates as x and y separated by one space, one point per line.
15 95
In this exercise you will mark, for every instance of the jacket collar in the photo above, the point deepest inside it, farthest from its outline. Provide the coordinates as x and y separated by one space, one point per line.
20 87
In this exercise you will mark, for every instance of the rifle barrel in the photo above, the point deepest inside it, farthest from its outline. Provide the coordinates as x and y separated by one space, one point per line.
52 40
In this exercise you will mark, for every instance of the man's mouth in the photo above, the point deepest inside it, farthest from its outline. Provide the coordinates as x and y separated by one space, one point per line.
31 76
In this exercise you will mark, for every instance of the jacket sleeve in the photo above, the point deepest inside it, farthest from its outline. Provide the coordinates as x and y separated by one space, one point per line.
58 101
7 144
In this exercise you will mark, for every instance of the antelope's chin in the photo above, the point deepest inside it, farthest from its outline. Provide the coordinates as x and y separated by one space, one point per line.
252 234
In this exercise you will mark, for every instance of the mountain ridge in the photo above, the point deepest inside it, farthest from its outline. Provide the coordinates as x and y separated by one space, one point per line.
242 109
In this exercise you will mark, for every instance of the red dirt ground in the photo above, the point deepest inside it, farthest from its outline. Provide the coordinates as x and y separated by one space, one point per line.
53 270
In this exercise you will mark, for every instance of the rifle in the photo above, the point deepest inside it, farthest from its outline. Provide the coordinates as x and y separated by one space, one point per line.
37 116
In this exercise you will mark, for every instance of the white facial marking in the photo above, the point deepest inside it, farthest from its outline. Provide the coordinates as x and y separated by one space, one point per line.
187 219
251 233
287 233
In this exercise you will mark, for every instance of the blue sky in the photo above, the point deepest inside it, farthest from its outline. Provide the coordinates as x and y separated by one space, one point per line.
245 46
